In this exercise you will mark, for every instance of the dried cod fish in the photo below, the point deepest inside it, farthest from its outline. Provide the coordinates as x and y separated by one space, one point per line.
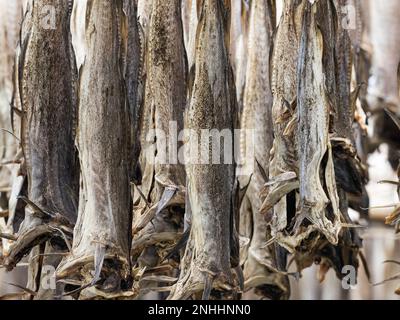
160 200
257 117
11 154
313 147
102 232
284 114
47 96
211 249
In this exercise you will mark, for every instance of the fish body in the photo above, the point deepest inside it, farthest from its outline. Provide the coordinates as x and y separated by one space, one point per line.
257 131
102 230
210 186
163 174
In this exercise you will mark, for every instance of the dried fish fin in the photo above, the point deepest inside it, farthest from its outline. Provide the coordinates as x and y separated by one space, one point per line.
28 239
165 199
45 226
281 178
277 192
169 197
394 217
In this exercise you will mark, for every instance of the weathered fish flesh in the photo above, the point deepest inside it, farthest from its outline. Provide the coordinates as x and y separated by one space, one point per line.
159 206
257 131
313 145
47 95
10 155
283 170
206 263
102 232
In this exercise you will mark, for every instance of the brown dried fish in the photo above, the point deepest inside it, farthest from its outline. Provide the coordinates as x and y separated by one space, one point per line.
311 104
47 93
206 263
102 232
257 117
159 202
314 145
284 154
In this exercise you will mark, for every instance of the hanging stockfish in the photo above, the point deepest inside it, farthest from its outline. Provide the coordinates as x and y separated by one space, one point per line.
257 139
212 247
102 232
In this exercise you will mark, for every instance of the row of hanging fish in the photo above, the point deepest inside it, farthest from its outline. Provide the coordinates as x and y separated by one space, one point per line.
113 220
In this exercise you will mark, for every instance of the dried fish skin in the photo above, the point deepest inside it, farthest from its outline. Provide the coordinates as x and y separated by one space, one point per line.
284 158
257 117
11 14
160 206
46 93
305 166
206 261
314 144
132 68
312 138
102 231
11 182
350 173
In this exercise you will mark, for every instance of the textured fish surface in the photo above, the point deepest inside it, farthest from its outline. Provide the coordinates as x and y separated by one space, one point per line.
47 98
313 142
257 136
159 207
206 261
102 231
